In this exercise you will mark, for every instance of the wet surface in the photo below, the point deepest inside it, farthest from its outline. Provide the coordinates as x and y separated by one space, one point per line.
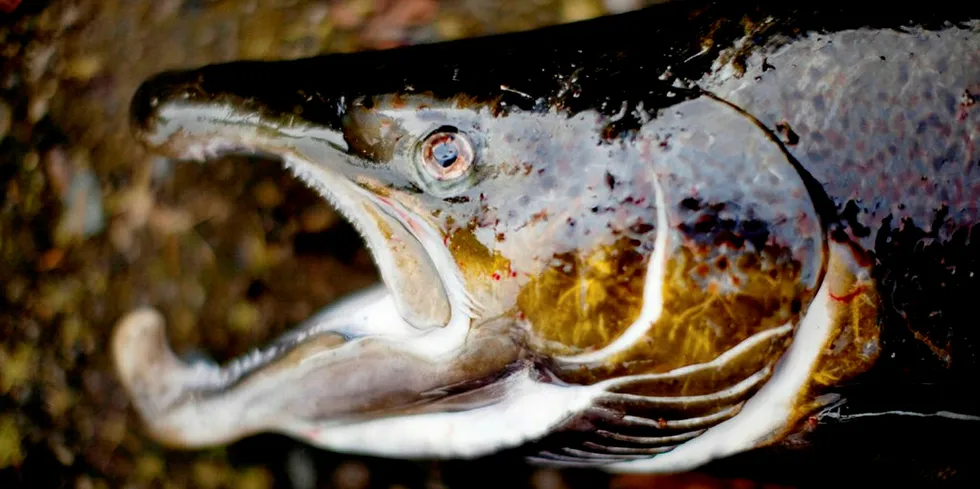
233 252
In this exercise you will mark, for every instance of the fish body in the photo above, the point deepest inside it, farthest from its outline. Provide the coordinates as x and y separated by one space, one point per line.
642 242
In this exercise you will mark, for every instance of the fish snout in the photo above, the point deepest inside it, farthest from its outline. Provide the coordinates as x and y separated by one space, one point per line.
151 95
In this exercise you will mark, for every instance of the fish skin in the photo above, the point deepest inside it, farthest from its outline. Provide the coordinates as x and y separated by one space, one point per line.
878 112
885 125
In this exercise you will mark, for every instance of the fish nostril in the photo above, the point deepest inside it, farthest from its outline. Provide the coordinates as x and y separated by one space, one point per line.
145 102
152 94
142 107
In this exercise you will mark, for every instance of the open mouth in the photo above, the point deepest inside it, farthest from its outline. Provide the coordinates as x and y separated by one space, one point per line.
201 115
372 348
408 250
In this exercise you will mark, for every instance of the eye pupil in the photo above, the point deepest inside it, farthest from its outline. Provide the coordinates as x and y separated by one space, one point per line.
445 153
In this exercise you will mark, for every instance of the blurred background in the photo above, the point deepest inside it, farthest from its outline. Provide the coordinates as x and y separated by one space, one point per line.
233 252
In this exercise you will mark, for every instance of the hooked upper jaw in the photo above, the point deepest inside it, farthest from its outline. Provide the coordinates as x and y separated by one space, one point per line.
202 113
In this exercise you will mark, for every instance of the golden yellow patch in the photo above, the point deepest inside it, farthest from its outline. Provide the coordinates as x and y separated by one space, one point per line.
853 344
580 304
374 188
479 266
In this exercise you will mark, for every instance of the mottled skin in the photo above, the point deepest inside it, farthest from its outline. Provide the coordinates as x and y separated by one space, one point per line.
741 155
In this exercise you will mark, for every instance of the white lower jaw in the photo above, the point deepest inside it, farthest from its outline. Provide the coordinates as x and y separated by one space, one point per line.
531 410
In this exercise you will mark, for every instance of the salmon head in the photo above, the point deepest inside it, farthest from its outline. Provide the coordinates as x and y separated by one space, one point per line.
576 255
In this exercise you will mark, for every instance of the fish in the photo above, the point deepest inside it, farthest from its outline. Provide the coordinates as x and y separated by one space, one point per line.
639 243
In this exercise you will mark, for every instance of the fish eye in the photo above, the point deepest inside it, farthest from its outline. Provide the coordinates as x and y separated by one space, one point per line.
446 153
